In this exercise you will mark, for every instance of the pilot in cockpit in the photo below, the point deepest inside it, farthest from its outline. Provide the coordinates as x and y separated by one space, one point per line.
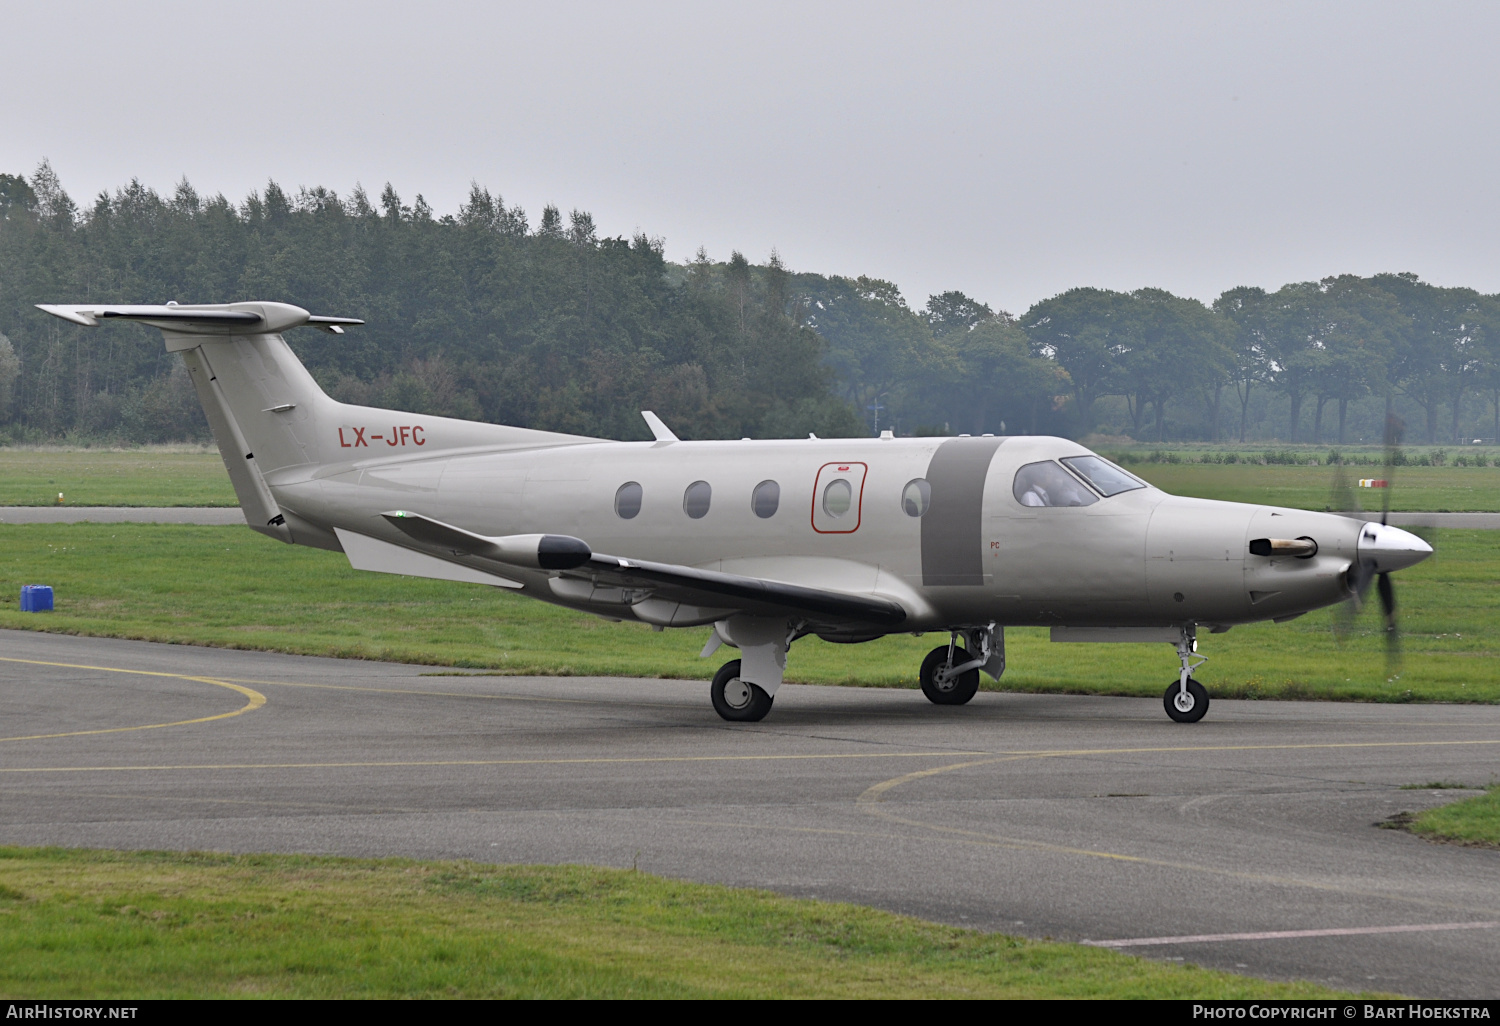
1047 484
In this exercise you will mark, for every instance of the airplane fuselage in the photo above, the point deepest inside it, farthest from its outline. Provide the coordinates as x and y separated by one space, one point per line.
975 554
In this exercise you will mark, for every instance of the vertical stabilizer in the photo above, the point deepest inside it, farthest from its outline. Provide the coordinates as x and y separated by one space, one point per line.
268 414
256 501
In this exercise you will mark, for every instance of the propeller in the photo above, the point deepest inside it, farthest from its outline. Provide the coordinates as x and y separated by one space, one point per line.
1366 570
1395 429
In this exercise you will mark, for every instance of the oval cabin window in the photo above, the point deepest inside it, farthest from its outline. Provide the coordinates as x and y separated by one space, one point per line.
696 499
837 497
628 500
916 497
765 499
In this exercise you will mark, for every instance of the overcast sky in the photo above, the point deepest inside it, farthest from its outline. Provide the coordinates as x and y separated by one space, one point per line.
1010 150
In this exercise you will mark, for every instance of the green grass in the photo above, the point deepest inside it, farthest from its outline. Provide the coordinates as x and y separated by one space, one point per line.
1415 488
155 925
230 587
101 477
1471 821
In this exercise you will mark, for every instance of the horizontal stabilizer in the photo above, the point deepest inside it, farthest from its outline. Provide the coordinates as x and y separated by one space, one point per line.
218 319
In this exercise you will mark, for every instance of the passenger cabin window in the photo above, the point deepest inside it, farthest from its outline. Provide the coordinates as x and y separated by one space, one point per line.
628 500
696 499
837 497
765 499
1047 484
916 497
1103 475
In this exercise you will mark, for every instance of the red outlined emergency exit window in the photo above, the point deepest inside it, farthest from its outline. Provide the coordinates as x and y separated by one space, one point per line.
838 498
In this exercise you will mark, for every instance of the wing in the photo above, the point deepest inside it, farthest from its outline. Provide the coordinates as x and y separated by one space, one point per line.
653 589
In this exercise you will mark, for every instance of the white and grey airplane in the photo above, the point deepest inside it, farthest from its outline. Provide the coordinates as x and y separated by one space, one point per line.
765 541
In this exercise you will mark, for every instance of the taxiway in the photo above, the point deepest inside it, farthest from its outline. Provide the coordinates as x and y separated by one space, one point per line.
1245 842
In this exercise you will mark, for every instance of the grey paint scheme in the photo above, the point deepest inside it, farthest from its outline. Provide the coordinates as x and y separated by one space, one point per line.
977 557
953 528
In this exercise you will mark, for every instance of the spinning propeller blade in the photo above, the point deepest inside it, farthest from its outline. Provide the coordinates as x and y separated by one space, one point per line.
1342 499
1392 634
1395 428
1374 564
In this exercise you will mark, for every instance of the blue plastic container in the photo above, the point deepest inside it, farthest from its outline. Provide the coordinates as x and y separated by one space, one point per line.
36 598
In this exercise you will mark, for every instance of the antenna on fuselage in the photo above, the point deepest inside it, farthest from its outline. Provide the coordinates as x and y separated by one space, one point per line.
658 429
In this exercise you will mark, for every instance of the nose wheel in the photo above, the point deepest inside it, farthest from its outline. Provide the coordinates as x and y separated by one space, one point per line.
1186 705
738 700
1187 700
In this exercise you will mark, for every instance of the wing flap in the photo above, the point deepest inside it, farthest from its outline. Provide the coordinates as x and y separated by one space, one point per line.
709 589
366 553
750 594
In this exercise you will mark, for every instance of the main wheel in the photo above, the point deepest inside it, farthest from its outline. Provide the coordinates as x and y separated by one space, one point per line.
1188 708
943 688
738 700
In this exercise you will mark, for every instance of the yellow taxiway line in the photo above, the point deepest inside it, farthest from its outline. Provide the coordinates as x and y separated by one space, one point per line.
254 699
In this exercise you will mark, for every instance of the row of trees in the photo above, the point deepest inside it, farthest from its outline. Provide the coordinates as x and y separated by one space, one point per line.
480 314
476 314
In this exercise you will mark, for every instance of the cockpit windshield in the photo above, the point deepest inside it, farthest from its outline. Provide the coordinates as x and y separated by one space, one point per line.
1047 484
1103 475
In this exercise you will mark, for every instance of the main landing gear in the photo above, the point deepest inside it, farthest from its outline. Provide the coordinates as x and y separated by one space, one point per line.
1186 700
950 673
738 700
744 688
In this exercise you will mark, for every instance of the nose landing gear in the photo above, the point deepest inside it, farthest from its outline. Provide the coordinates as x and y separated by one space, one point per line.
1186 700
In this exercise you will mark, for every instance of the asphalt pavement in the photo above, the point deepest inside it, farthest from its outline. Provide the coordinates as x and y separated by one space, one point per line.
1245 842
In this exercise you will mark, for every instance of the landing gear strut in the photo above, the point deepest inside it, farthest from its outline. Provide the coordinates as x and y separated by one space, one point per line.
1186 700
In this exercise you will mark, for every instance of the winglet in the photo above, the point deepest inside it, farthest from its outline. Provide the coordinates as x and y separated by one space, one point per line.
660 430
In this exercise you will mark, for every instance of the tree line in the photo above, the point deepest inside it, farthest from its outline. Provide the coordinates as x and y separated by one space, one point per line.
483 314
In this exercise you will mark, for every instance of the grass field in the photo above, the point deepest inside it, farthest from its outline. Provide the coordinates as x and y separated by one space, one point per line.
157 925
166 477
1449 489
101 477
1471 821
229 587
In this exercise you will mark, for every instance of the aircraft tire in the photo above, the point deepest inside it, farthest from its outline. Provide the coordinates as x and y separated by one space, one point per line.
736 700
958 691
1198 697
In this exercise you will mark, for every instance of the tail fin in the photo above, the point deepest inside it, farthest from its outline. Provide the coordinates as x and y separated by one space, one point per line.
266 411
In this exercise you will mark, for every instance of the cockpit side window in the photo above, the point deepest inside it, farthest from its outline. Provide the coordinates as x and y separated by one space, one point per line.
1103 475
1047 484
